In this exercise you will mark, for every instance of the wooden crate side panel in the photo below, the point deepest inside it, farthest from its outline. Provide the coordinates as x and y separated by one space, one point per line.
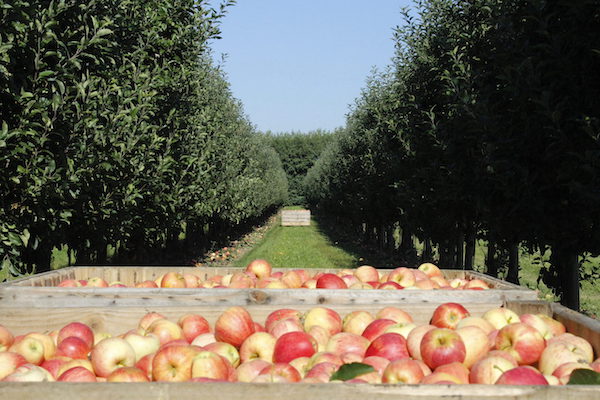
296 391
579 324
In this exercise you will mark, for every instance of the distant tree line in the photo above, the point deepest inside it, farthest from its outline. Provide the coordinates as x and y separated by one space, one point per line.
486 125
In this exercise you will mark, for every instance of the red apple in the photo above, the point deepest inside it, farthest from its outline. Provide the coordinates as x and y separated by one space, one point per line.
29 373
165 330
430 269
52 365
229 352
322 371
110 354
234 326
476 343
128 374
148 319
558 353
172 280
173 363
249 370
207 364
72 364
389 286
193 325
204 339
389 345
377 328
440 378
260 268
524 375
278 372
292 279
9 362
96 282
6 338
456 369
366 273
556 327
402 276
448 315
488 369
293 345
145 364
331 281
442 346
191 281
538 323
413 341
522 341
69 283
73 347
77 374
346 342
356 322
281 314
284 326
563 372
146 284
476 321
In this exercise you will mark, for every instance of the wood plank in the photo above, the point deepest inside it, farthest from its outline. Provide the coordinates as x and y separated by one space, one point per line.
295 217
295 391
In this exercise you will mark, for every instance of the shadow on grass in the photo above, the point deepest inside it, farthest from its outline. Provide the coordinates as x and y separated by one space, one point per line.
349 241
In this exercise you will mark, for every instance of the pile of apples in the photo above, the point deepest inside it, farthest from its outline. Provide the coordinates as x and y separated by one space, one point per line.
259 274
500 347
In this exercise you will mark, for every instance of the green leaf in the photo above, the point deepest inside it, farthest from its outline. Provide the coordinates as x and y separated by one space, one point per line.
584 377
103 32
44 74
351 371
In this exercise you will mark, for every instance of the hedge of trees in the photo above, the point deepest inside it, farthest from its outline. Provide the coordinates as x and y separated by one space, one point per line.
298 152
117 129
487 125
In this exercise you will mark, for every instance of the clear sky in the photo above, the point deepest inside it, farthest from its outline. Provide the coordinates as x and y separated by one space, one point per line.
298 65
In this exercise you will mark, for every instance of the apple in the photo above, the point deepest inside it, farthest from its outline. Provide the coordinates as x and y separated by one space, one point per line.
346 342
260 268
249 370
322 371
77 329
377 328
128 374
488 369
204 339
402 328
556 327
476 343
165 330
456 369
379 363
52 365
302 365
73 347
500 317
406 371
310 284
207 364
240 280
563 371
578 341
324 356
229 352
284 326
325 317
148 319
402 276
9 362
413 341
72 364
233 326
47 342
440 378
173 363
193 325
442 346
390 285
172 280
6 338
426 284
293 345
430 269
117 284
523 375
476 321
77 374
258 345
356 322
191 281
110 354
29 373
448 315
395 314
389 345
538 323
96 281
321 336
146 284
278 372
477 284
292 279
366 273
30 348
331 281
142 344
558 353
522 341
595 365
458 283
69 283
145 364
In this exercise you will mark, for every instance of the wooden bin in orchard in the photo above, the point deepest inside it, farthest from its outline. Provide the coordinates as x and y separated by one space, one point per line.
21 320
41 289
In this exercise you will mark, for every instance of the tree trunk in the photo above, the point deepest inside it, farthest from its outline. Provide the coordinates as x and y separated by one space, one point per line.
513 263
568 273
490 260
470 250
427 255
459 261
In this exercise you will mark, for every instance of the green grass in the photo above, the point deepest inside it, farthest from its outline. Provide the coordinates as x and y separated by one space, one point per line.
299 247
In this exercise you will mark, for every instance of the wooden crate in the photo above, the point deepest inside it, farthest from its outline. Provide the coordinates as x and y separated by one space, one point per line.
113 320
41 289
295 218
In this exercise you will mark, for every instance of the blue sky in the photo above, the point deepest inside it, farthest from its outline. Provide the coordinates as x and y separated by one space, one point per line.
298 65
